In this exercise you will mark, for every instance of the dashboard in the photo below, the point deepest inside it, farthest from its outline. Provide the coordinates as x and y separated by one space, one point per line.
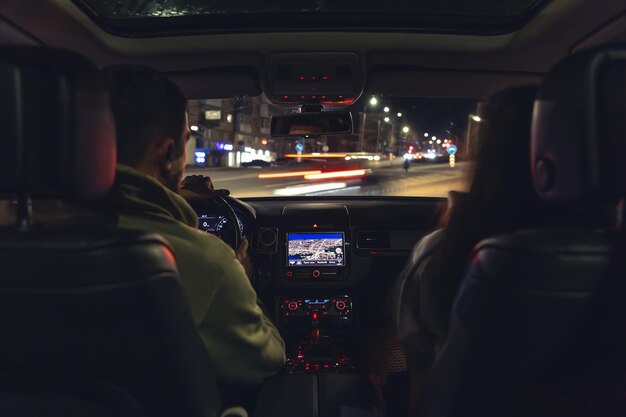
216 223
325 266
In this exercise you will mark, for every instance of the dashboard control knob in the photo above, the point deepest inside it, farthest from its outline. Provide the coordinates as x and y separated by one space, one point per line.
340 305
316 273
289 274
293 306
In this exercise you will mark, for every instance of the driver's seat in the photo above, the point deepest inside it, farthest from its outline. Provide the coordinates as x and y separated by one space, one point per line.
94 321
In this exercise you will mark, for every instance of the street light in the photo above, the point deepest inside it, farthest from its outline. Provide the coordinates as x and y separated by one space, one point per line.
373 103
438 141
386 109
194 128
426 134
386 119
399 114
476 118
434 138
405 129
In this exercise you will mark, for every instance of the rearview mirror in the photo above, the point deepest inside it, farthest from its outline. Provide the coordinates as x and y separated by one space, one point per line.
311 124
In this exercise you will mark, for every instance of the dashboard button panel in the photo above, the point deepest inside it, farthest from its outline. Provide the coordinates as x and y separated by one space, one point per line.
337 306
313 275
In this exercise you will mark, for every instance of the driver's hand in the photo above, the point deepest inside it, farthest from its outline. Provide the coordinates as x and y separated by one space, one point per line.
242 256
199 187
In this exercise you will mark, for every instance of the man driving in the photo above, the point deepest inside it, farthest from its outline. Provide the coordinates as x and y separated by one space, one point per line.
152 131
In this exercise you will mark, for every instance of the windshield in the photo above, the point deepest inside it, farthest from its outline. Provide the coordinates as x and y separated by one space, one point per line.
399 147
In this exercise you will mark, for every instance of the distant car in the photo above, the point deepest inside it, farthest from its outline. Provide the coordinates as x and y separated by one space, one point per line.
281 162
295 161
257 163
430 156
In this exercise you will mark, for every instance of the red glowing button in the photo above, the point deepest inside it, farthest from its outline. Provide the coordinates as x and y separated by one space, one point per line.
293 306
340 305
316 273
315 316
289 274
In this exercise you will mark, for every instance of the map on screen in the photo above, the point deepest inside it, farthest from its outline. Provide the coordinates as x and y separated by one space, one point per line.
315 249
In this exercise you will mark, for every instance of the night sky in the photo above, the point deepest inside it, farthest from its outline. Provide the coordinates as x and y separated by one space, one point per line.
432 115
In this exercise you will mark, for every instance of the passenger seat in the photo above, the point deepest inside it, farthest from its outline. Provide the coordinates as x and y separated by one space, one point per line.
538 326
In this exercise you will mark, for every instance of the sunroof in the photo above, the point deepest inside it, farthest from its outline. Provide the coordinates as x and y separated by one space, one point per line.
184 16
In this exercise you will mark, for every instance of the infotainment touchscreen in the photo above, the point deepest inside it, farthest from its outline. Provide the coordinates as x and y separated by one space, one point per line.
315 249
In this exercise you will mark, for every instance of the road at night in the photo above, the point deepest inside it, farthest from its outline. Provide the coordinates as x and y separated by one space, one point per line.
384 179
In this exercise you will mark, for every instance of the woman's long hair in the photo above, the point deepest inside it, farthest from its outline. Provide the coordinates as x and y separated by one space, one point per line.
501 196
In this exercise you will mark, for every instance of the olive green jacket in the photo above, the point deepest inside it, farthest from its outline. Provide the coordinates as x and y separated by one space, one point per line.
242 342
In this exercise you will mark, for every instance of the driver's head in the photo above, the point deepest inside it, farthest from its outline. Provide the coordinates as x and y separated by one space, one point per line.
151 122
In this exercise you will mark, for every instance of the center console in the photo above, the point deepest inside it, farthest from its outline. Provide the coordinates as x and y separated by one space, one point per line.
317 314
320 333
309 261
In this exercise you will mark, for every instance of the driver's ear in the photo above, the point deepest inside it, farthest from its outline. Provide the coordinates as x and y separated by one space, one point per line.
166 154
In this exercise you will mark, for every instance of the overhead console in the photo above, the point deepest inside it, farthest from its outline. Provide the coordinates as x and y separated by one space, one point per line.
314 78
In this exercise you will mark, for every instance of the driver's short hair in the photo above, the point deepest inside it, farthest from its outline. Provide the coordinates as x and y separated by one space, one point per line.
147 107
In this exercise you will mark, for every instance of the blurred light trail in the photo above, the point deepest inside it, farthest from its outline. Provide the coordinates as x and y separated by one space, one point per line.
308 189
336 174
287 174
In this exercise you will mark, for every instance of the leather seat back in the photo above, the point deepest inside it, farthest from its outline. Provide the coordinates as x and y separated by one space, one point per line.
94 319
537 327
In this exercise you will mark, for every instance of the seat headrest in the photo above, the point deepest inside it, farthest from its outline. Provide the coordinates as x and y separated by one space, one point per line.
578 135
56 129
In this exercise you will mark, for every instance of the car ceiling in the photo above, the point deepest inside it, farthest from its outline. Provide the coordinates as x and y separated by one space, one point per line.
408 64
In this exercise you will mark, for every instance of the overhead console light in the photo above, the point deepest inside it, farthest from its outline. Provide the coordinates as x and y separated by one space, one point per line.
314 78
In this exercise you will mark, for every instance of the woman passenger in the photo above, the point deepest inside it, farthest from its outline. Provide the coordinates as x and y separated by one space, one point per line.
501 199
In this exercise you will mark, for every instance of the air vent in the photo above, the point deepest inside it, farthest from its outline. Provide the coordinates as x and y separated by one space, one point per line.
268 240
372 240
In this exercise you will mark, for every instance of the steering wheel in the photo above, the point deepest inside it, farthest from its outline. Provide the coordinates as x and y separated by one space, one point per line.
230 231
